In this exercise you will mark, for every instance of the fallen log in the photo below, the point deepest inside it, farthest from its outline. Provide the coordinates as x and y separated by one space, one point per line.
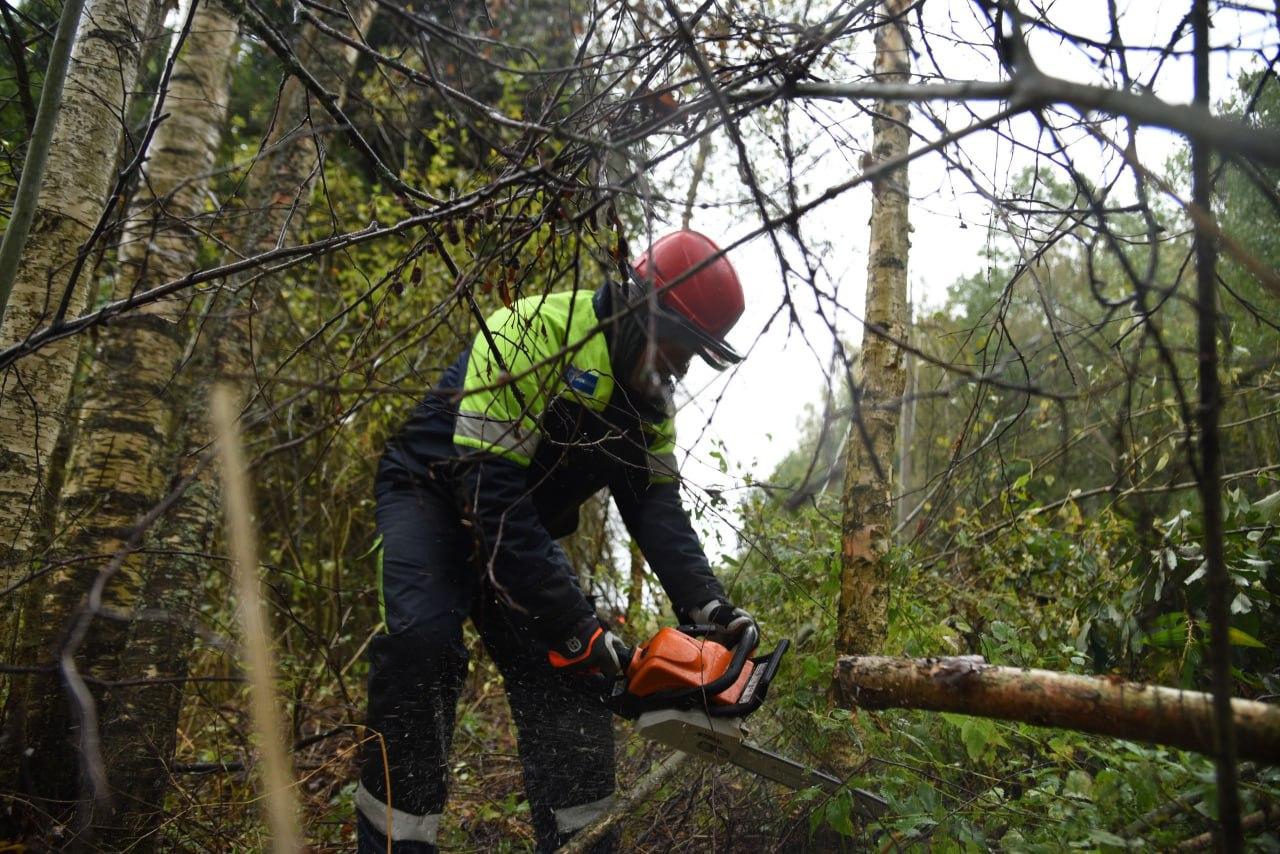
1100 705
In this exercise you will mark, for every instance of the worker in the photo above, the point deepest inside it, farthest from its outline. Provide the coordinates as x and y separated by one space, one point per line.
559 396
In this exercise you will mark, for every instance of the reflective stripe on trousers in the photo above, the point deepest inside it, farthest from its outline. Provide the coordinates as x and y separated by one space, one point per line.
572 819
403 827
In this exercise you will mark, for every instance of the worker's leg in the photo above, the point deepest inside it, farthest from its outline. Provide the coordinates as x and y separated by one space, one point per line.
565 738
417 666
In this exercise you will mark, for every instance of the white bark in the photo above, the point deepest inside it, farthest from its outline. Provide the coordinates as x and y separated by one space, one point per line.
81 168
119 463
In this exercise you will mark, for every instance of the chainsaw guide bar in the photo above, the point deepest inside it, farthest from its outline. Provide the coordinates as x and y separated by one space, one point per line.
693 694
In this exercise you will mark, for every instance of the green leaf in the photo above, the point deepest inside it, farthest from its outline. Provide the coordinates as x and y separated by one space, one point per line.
1105 837
1167 638
1238 637
977 735
838 816
1078 783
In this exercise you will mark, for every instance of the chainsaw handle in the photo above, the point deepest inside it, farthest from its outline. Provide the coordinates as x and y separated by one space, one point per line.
747 643
749 638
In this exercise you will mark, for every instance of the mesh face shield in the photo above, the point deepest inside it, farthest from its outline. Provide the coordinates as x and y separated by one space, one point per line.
666 324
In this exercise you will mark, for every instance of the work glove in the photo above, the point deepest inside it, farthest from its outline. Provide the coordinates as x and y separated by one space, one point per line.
591 650
728 620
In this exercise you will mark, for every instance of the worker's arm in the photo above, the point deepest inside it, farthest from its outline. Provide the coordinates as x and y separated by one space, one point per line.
651 508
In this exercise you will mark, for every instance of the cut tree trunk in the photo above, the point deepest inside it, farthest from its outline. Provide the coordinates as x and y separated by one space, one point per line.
867 525
1099 705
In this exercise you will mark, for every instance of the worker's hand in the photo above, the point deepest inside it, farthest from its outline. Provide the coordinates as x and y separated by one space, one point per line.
730 621
591 650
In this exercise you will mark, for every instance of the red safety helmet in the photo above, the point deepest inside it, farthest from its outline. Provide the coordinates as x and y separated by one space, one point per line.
699 294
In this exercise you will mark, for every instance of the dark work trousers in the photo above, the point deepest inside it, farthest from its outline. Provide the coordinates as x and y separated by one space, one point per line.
430 585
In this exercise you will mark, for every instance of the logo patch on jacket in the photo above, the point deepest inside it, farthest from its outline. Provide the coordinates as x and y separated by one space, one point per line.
579 380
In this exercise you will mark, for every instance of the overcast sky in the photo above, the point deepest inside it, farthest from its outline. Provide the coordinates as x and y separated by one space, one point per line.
754 411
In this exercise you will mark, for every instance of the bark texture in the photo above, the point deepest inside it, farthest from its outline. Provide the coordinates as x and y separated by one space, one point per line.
1099 705
34 393
143 719
868 483
82 157
121 463
140 721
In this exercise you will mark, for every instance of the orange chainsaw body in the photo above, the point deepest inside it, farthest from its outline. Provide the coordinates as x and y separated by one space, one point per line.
673 661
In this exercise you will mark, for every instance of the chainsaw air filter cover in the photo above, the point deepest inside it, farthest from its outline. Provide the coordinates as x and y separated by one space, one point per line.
674 661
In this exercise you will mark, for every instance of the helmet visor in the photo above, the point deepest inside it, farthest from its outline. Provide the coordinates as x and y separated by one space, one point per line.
674 326
714 351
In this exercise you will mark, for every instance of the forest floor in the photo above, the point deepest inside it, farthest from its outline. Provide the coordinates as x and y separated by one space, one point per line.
701 807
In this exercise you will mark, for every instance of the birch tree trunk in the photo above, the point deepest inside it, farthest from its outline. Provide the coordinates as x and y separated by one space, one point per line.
121 462
866 498
82 156
140 722
34 392
906 496
147 715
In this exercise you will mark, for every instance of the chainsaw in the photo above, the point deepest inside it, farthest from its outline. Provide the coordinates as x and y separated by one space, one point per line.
690 693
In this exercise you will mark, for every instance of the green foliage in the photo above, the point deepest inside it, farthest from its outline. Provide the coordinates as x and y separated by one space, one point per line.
960 783
1052 534
32 30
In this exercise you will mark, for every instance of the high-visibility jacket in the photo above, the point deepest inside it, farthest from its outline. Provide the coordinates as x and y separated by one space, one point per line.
526 425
